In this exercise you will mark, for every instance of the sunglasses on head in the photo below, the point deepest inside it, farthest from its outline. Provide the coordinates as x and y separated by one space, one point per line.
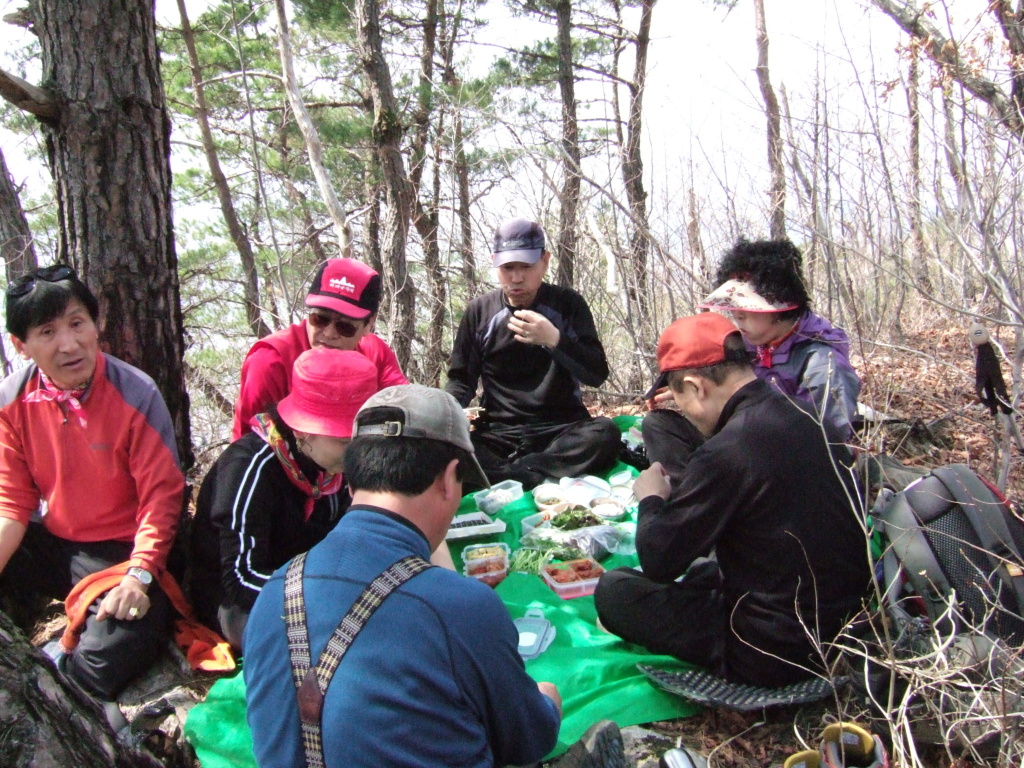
24 284
345 328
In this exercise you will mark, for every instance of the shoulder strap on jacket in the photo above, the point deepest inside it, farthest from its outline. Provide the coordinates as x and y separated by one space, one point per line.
311 682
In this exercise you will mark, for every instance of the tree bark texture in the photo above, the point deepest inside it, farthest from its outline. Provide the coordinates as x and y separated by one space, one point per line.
425 214
570 195
16 246
387 136
250 276
460 165
777 192
46 720
638 288
109 153
914 113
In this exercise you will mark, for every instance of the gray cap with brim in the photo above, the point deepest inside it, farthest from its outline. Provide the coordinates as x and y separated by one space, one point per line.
518 240
429 413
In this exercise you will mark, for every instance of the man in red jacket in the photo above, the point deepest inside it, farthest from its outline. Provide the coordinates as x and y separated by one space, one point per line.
343 301
89 480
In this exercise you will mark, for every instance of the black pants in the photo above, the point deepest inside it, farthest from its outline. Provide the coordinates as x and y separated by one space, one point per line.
531 454
110 653
687 619
670 438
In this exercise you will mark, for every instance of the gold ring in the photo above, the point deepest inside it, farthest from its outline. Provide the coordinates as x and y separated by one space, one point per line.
133 611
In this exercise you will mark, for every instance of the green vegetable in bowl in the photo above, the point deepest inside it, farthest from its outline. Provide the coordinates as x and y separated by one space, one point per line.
575 517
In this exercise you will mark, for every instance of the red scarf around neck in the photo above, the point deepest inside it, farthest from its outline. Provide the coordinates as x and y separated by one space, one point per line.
325 485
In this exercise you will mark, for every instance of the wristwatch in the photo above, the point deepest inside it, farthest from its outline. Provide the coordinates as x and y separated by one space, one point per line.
144 576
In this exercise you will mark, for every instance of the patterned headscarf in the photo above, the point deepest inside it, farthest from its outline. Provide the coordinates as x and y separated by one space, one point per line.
326 483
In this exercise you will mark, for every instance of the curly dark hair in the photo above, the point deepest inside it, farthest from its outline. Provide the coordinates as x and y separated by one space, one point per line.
773 267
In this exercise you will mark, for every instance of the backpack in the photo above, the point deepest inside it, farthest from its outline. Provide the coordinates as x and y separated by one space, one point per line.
954 556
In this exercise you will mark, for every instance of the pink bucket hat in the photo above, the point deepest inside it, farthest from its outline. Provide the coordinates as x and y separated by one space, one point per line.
328 388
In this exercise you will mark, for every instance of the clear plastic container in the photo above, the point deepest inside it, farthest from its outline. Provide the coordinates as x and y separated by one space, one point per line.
485 572
484 552
473 524
574 578
532 521
492 499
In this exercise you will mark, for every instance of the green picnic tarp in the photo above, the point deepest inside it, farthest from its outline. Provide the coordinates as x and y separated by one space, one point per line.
595 672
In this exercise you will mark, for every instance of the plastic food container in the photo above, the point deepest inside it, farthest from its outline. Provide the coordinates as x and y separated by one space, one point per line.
608 508
492 499
532 521
497 549
473 524
486 562
490 573
548 495
574 578
535 633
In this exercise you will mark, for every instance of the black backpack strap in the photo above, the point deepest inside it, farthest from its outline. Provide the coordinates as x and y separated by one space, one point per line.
988 515
311 682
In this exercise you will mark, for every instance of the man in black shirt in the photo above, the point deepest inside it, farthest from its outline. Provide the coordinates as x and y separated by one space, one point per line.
768 498
532 344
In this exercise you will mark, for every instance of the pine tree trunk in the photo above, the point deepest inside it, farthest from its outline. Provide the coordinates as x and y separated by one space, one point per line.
47 720
387 136
109 153
16 248
569 197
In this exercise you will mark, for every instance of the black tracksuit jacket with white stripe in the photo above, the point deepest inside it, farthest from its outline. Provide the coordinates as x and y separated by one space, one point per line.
249 522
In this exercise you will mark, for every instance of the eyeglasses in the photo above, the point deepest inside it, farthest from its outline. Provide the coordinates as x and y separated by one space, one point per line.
344 328
24 284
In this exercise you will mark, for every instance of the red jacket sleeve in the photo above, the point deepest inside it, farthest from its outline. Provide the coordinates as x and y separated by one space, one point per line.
264 381
389 372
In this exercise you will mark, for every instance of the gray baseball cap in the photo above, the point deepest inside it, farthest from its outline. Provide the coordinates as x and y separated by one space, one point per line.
428 413
519 240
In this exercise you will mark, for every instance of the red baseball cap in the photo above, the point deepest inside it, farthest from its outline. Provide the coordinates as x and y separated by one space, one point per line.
328 388
347 286
695 341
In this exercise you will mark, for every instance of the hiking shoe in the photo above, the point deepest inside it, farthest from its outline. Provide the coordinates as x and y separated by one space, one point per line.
600 747
809 758
847 745
681 757
56 654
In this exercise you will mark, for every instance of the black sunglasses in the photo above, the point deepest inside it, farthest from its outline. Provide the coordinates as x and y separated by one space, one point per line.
342 327
24 284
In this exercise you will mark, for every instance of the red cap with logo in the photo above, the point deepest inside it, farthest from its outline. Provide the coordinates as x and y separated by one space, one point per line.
346 286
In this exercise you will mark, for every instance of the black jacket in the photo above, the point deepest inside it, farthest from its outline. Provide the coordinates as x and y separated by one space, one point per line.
777 507
523 383
250 520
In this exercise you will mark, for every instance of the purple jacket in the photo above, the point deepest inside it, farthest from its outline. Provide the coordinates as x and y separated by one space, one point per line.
813 364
